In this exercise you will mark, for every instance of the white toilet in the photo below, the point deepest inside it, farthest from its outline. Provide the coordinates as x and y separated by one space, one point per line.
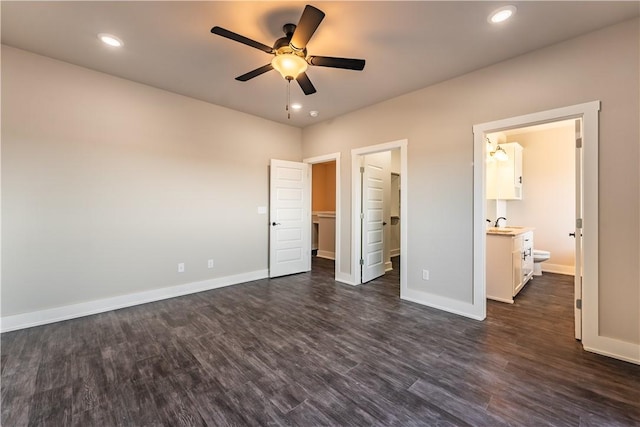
539 256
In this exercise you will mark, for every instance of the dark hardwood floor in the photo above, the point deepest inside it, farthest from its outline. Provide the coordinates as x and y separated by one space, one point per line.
304 350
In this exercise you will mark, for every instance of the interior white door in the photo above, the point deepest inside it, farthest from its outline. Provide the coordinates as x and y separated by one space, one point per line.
290 218
578 234
373 172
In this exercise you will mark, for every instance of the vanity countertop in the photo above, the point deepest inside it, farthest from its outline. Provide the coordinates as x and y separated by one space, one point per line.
510 231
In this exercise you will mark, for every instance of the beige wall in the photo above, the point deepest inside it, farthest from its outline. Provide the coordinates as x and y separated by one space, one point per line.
323 183
548 202
108 184
438 120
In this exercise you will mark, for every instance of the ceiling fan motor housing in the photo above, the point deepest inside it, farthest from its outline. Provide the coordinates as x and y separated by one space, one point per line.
290 52
283 45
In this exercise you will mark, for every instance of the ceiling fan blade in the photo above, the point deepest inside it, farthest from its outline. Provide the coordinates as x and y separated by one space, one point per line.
346 63
255 73
305 84
309 21
242 39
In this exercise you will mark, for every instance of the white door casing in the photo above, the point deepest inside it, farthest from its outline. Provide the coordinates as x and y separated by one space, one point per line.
592 340
290 218
356 203
577 277
335 157
376 177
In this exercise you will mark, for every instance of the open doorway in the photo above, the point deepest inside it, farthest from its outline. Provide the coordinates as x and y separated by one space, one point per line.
533 200
586 152
379 200
325 210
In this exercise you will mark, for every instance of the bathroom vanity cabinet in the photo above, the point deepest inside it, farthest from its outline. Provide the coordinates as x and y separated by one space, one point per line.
504 178
509 262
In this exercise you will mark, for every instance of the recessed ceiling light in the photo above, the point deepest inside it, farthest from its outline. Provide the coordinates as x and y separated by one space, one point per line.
502 14
296 106
110 40
313 113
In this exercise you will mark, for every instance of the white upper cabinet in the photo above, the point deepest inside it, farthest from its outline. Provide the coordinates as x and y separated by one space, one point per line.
504 178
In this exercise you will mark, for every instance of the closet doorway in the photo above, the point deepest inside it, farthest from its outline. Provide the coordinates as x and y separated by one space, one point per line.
325 208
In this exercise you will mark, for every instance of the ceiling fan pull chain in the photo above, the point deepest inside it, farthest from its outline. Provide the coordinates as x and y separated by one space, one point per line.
288 97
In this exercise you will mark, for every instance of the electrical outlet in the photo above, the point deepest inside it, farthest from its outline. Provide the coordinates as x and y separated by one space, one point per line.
181 267
425 274
210 263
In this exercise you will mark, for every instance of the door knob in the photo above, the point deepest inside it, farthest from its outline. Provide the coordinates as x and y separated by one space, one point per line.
384 223
275 223
572 234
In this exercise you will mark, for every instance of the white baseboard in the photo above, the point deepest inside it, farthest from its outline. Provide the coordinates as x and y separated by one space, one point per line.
346 279
568 270
442 303
57 314
508 301
326 254
622 350
394 252
388 266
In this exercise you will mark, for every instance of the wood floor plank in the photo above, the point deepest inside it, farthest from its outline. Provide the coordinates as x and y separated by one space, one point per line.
304 350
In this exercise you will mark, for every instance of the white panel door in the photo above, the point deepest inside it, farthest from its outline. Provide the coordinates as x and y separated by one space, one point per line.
577 285
373 185
290 218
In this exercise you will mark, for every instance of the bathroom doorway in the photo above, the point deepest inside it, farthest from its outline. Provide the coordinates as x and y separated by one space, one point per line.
586 140
531 186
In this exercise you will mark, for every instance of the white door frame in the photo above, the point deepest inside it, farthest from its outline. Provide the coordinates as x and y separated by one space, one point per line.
589 112
323 159
356 201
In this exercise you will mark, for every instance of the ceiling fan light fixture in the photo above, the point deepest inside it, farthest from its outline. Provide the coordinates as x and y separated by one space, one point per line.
289 65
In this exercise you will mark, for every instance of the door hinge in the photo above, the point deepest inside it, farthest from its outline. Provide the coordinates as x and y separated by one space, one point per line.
579 304
361 215
361 261
578 222
361 169
578 142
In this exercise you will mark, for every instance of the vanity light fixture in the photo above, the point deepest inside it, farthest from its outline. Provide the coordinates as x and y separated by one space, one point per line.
296 107
502 14
496 154
500 154
110 40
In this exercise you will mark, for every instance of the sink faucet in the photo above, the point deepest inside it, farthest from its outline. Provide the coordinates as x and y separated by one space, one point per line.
498 221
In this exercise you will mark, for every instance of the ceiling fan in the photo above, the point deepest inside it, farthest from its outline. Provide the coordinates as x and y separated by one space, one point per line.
290 53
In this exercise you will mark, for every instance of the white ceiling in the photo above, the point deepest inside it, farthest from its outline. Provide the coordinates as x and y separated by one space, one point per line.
407 45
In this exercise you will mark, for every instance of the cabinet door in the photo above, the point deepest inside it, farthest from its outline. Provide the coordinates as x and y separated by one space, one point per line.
517 171
516 262
527 255
516 256
504 178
